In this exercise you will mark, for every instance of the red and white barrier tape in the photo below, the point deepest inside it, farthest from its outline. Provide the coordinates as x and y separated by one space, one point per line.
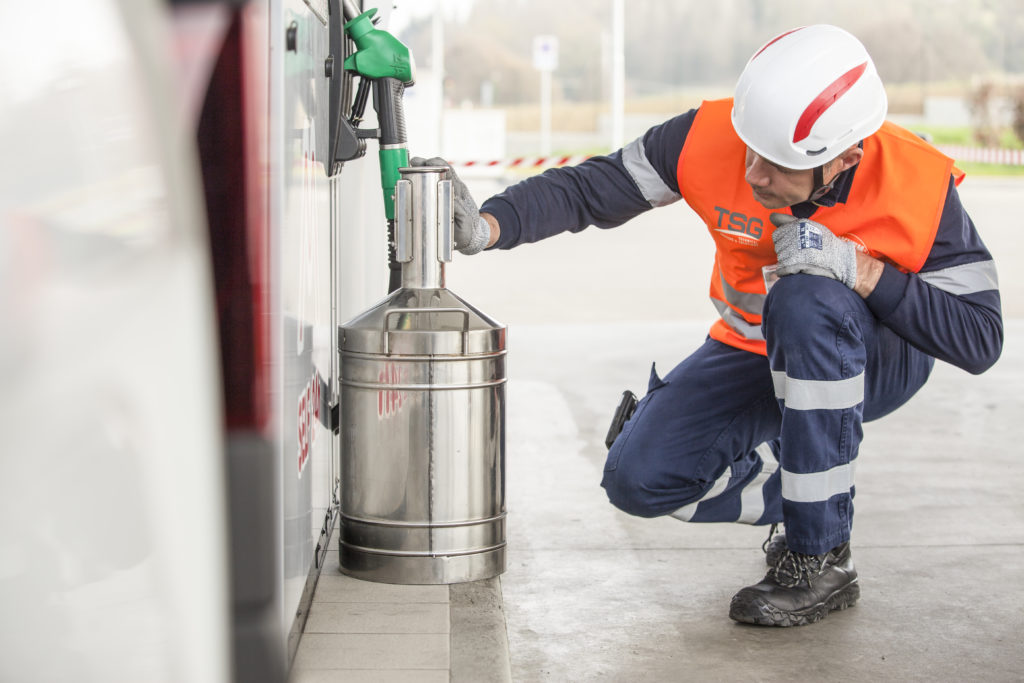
525 162
985 155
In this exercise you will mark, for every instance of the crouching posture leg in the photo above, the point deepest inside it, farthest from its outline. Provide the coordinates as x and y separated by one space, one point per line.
729 435
702 443
833 366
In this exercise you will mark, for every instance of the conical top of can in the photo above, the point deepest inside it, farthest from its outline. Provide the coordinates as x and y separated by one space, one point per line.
422 322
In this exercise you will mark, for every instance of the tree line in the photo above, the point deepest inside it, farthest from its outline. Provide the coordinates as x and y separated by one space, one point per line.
673 44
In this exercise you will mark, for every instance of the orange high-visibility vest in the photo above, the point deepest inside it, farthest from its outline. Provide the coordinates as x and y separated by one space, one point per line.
892 212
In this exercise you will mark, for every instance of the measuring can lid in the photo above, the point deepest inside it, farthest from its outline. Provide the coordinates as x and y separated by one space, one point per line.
422 322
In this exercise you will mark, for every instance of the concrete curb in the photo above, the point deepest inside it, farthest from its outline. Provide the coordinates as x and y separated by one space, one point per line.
479 638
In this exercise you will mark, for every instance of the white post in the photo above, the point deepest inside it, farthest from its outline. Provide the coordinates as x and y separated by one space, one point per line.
437 66
618 73
545 60
545 113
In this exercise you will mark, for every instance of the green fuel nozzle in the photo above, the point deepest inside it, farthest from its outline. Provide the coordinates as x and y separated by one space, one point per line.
386 61
378 53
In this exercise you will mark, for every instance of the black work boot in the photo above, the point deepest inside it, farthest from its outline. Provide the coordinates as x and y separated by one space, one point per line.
774 549
799 589
774 546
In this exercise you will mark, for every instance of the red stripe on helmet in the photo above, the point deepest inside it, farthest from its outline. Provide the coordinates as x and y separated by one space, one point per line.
775 40
826 99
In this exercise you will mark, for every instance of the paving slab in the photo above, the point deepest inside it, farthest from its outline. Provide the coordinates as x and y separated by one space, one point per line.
367 632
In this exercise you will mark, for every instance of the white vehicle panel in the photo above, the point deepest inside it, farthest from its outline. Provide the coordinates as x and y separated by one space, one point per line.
301 230
112 528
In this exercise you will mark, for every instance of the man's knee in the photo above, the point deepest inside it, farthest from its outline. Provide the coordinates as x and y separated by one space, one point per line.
627 492
800 305
644 491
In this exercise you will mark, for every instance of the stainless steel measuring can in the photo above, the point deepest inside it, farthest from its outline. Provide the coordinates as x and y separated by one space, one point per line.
422 415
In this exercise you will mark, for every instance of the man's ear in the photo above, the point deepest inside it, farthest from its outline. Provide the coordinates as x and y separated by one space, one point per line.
850 158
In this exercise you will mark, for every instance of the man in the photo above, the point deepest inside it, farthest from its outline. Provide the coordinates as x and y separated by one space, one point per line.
880 271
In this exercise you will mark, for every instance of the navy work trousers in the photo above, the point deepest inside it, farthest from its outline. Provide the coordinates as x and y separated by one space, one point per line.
732 436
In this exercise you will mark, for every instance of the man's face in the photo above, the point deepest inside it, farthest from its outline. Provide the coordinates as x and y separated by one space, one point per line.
776 187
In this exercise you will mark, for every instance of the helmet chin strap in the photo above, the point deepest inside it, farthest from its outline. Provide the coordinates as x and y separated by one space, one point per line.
820 187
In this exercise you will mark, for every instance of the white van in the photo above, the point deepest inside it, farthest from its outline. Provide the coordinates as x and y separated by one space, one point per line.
174 261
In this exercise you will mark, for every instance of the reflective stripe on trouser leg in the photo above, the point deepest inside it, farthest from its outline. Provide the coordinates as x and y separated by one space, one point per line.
817 352
695 446
694 440
756 489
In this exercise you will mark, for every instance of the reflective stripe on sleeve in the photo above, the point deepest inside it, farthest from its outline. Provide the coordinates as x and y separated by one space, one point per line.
813 394
817 487
969 278
647 180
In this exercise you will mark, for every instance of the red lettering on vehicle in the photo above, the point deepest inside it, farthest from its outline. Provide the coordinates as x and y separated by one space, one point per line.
308 415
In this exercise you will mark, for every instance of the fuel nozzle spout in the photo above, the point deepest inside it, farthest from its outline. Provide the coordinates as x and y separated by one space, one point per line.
423 225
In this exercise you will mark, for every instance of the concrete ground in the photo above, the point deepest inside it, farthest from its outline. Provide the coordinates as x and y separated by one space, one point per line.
594 594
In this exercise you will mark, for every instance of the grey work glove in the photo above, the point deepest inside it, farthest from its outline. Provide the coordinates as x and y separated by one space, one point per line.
804 246
472 233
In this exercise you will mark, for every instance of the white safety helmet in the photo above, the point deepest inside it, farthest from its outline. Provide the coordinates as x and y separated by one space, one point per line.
808 95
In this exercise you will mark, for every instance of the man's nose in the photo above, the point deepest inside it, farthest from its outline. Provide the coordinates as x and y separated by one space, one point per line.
757 172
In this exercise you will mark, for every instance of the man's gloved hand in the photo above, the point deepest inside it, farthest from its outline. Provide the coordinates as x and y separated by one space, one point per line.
804 246
472 233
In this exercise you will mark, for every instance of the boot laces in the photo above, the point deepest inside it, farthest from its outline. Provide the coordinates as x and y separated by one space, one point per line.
771 535
794 568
